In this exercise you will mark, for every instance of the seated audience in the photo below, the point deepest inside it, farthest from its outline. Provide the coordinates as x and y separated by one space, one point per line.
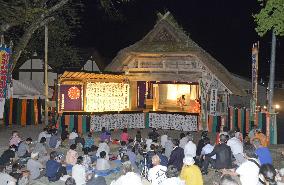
177 155
122 149
161 153
164 139
79 172
89 141
183 140
238 134
35 167
262 152
124 136
173 178
223 156
128 177
154 135
102 162
54 168
138 137
86 159
72 136
191 173
157 174
148 144
190 147
72 155
103 146
70 181
40 148
208 148
5 178
149 156
105 135
248 170
8 155
54 141
262 138
24 149
44 133
132 156
80 141
236 147
223 131
22 177
169 147
15 139
201 144
267 175
228 180
64 133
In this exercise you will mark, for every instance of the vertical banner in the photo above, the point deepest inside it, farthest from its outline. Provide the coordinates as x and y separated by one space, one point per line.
203 94
213 102
254 78
4 70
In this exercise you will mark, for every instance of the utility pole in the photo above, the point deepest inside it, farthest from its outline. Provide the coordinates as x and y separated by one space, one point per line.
271 85
45 74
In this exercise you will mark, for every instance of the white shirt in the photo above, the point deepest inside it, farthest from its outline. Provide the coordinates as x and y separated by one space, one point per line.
173 181
103 147
148 143
164 139
102 164
190 149
129 178
157 174
73 135
6 179
79 174
183 142
236 145
207 149
43 134
248 172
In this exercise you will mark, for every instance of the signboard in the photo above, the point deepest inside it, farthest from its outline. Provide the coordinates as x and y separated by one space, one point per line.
71 98
213 101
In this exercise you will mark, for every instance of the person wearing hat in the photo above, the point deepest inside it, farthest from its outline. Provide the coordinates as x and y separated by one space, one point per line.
35 167
190 172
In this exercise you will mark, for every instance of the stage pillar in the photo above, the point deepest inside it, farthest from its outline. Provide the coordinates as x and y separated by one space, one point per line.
133 95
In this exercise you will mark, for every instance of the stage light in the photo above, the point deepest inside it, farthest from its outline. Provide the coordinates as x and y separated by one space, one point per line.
174 91
277 106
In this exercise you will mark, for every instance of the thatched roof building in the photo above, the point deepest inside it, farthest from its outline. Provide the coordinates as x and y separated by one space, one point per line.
168 53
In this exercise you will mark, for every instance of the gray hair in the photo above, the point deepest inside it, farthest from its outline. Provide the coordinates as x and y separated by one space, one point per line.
228 180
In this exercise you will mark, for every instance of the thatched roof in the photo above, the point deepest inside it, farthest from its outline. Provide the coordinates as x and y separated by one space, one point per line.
167 37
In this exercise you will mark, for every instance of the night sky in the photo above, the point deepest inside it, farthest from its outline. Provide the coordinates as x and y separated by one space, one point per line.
224 28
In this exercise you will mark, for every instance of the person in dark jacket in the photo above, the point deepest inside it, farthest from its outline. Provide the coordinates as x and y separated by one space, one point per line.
149 156
223 156
177 155
54 169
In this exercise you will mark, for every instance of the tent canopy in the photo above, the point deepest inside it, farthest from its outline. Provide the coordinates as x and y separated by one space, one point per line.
29 89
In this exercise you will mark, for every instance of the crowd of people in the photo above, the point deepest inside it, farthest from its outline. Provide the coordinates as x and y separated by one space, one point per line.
156 159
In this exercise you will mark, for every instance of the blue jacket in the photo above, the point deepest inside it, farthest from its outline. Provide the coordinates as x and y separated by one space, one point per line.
52 168
176 158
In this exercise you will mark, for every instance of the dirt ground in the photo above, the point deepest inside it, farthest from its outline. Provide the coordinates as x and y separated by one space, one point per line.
33 131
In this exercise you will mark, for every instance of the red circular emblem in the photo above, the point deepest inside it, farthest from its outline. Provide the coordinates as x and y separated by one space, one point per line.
73 93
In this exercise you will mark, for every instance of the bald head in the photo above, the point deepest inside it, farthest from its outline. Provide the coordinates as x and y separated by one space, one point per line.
156 160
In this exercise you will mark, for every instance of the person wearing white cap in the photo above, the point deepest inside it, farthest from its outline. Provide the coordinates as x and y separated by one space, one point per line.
191 173
34 166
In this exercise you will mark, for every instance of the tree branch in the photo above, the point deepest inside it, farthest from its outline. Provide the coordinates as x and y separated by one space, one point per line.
24 40
56 7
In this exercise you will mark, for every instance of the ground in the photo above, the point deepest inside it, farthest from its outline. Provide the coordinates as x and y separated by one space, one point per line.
33 131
